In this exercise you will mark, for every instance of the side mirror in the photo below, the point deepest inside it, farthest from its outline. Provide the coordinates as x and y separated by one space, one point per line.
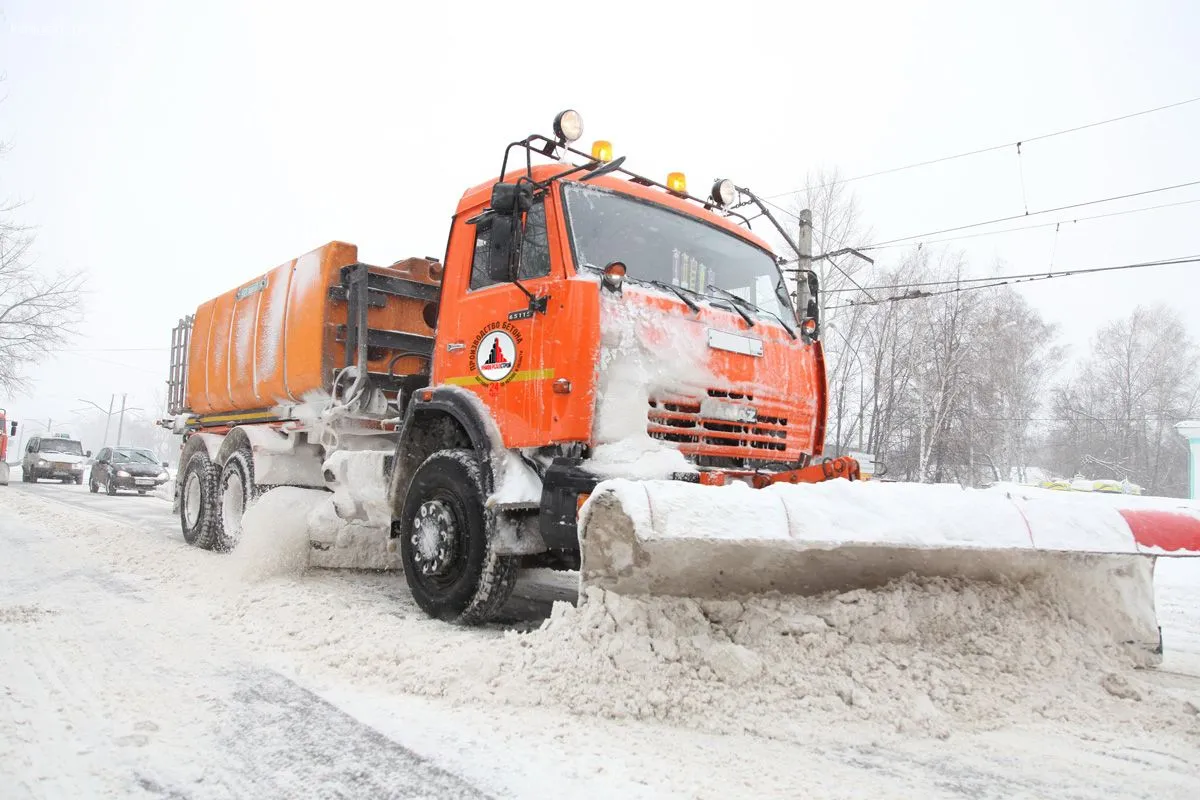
13 430
166 465
511 199
88 454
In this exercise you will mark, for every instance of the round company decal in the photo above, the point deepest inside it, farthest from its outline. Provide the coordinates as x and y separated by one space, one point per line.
496 356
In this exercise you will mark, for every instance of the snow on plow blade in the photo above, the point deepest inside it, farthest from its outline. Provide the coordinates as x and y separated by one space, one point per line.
682 539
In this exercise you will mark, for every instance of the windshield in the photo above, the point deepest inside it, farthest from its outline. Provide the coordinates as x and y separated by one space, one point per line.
658 244
67 446
133 457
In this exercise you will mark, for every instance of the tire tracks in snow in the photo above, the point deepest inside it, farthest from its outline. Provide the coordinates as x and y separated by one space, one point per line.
104 698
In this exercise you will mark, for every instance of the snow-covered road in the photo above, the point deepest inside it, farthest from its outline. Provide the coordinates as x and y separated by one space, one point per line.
134 666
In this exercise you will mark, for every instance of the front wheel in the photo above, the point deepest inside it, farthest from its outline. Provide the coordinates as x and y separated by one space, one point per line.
446 544
110 487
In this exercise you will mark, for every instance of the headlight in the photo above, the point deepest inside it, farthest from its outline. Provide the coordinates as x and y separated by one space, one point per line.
122 473
162 476
41 462
77 467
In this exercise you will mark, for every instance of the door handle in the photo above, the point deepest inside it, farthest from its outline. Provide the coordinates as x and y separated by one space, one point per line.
453 347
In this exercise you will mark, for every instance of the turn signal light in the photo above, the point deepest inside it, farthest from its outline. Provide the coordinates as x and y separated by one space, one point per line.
602 151
677 182
562 386
809 327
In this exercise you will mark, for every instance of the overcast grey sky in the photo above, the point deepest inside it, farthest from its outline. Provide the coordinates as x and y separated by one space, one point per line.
175 150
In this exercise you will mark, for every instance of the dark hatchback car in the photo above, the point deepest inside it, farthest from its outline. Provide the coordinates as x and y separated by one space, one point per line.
129 468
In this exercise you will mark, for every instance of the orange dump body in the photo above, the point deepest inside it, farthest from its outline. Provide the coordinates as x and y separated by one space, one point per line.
276 338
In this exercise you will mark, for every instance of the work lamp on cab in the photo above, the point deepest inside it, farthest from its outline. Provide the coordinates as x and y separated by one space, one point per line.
724 192
568 125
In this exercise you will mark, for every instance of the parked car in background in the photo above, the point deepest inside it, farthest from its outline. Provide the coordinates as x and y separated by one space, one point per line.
127 468
58 457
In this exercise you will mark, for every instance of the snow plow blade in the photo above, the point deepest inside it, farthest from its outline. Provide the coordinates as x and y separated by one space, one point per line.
682 539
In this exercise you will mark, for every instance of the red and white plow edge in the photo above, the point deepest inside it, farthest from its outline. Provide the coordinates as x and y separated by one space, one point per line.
673 538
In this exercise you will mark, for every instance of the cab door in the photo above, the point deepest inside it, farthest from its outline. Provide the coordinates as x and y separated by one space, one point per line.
490 340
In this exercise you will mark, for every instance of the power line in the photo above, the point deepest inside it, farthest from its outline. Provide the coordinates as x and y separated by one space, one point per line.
1002 280
877 245
993 148
836 265
1043 274
1041 225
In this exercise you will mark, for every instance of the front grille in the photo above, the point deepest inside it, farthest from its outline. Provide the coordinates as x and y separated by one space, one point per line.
679 420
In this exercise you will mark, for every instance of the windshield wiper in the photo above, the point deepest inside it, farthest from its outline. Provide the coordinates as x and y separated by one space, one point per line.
743 301
736 303
679 292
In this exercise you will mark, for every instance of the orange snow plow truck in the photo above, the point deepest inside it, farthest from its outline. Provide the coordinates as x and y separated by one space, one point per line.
605 373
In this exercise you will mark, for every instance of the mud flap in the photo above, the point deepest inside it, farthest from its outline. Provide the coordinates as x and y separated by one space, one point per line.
660 537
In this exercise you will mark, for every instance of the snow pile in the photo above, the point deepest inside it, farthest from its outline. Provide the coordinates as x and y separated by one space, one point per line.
929 656
516 482
275 534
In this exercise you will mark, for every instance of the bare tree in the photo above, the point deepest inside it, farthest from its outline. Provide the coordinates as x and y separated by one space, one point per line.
1118 412
38 311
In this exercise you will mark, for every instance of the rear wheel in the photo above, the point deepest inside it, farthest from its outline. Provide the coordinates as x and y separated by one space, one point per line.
237 491
446 543
93 487
199 513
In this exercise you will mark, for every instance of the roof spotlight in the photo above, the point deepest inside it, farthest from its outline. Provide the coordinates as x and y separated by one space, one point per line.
568 125
724 192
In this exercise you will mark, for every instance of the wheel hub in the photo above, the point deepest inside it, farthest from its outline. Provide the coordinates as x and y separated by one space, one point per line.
433 537
191 500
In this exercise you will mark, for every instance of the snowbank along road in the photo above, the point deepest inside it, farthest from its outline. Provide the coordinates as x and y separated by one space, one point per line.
134 666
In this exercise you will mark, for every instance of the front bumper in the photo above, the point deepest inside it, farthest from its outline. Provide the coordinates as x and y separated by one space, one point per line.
55 471
139 482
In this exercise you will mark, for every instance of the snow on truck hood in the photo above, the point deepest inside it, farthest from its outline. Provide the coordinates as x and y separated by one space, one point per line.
653 349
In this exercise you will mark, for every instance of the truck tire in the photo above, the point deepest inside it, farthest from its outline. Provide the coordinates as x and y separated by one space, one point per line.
199 510
446 544
237 491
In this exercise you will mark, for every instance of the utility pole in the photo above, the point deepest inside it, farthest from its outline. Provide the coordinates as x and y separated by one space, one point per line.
108 420
121 421
803 262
